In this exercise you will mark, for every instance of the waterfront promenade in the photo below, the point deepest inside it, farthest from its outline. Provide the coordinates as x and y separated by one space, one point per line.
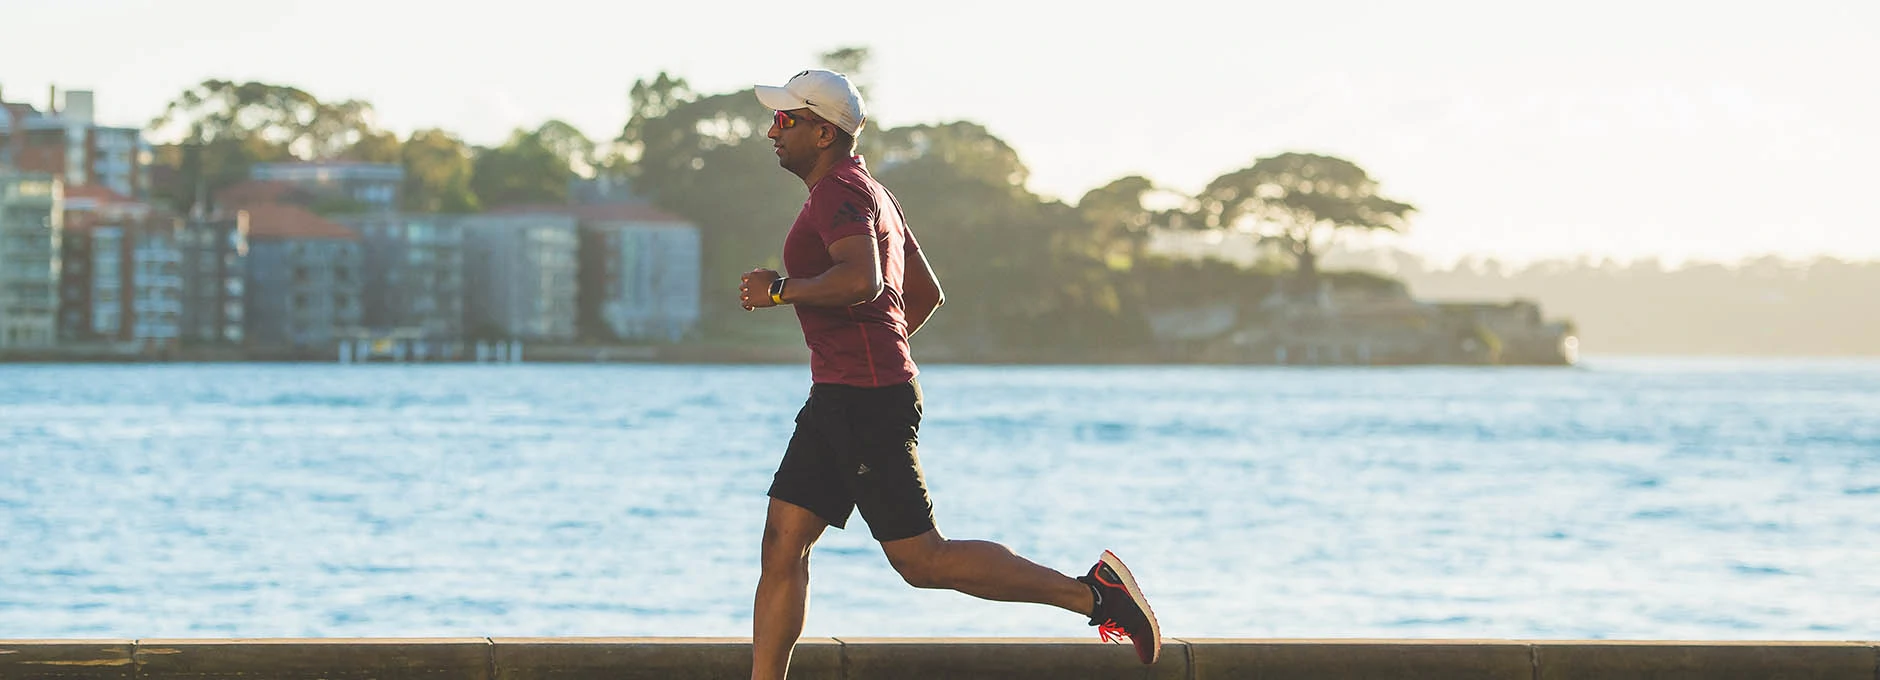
933 658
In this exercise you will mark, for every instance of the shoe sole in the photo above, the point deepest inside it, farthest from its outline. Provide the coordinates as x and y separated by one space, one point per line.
1135 593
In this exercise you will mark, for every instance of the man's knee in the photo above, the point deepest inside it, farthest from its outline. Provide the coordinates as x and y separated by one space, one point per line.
783 551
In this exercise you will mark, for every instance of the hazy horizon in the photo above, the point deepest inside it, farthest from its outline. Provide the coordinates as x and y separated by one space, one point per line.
1607 130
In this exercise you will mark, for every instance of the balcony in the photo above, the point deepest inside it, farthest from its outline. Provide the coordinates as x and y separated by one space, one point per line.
14 279
143 307
156 331
18 258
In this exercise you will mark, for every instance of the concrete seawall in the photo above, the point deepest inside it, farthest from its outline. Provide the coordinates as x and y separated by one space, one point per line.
924 659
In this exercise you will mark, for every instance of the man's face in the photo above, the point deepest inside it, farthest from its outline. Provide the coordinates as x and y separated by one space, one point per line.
795 135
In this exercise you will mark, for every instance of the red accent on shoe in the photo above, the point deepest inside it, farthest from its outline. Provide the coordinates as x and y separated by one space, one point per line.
1148 642
1110 632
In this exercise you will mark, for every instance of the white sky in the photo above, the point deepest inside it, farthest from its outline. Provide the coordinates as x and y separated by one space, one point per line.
1678 129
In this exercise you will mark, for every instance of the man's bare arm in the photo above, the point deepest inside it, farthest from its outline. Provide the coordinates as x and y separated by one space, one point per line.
854 279
923 294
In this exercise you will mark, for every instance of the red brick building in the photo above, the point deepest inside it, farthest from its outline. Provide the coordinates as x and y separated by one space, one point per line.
68 143
121 276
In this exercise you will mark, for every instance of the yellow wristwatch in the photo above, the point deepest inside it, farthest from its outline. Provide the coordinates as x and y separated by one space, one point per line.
776 290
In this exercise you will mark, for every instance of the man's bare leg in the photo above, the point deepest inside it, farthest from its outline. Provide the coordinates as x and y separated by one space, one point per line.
985 570
782 588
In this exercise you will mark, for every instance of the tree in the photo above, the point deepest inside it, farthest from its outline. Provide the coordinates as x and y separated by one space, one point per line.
438 168
227 126
374 147
278 115
1299 201
1120 221
532 167
648 100
568 144
967 147
335 128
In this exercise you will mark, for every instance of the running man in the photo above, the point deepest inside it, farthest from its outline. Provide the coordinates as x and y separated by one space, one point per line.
861 288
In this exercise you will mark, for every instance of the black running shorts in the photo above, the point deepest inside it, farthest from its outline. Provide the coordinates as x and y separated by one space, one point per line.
854 448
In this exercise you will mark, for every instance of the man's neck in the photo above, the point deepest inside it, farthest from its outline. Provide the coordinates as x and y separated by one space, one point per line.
825 164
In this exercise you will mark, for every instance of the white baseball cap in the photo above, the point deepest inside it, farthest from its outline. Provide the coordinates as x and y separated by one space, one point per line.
826 93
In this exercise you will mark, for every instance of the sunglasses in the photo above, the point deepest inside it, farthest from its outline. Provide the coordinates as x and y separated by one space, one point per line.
786 120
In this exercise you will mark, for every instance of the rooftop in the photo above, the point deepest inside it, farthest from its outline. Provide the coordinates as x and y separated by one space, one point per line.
291 222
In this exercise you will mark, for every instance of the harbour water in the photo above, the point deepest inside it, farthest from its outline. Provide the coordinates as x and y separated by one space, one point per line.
1624 498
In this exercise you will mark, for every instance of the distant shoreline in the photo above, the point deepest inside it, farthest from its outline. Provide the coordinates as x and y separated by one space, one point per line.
653 355
760 355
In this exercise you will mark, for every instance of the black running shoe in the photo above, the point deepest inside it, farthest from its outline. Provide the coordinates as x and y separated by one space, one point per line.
1121 609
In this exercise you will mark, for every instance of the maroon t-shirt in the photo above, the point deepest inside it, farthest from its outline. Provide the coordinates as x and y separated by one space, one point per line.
864 345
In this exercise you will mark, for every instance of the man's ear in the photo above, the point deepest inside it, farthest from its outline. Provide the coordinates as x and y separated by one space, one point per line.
825 136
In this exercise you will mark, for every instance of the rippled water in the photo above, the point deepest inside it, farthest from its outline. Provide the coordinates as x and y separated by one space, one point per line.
1622 499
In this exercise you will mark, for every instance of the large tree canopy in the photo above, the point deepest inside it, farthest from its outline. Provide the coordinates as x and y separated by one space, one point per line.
1299 201
284 117
226 127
